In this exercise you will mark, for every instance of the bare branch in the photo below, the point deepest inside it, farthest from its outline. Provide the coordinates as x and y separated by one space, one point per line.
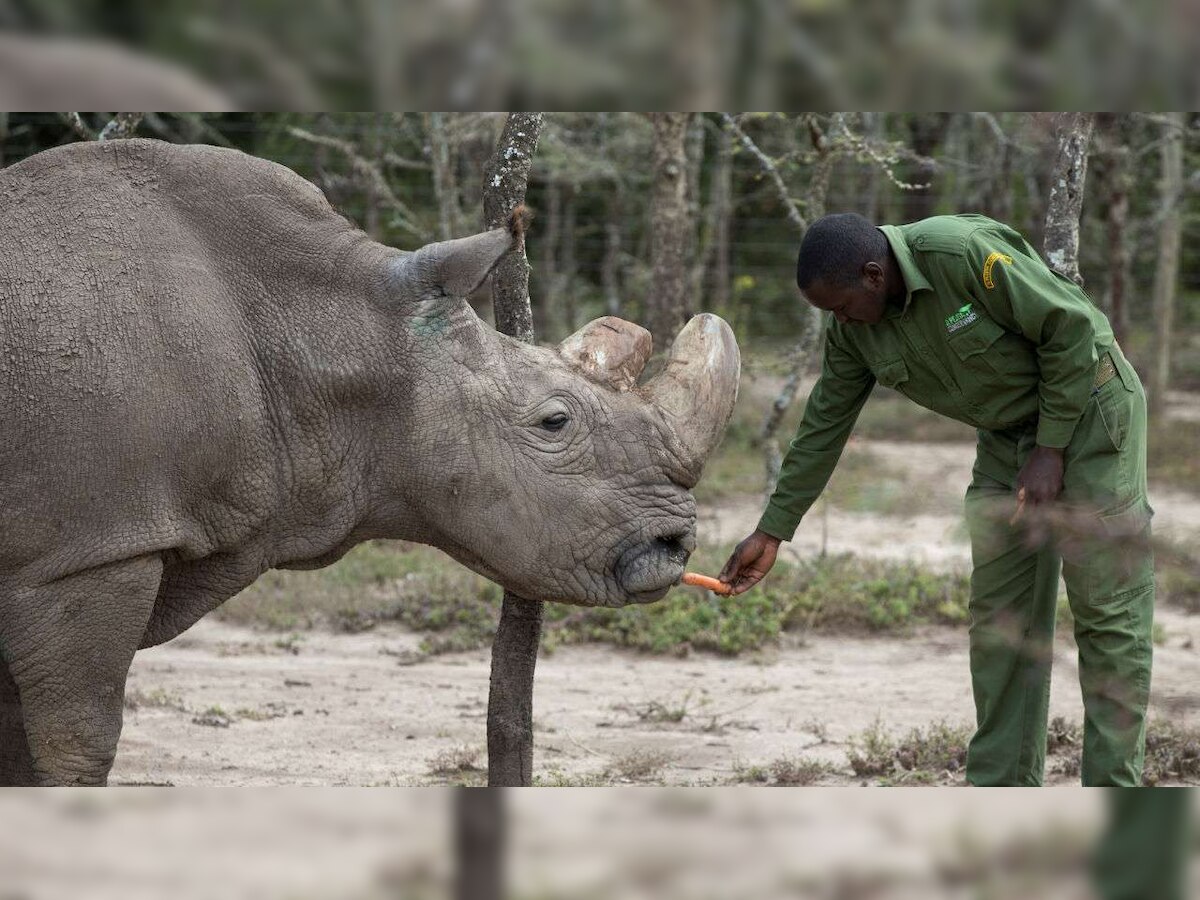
77 125
768 166
369 174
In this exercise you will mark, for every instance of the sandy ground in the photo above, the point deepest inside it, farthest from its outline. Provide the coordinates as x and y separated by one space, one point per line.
227 705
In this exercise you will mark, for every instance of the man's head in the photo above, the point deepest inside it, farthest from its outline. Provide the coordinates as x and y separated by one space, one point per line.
843 267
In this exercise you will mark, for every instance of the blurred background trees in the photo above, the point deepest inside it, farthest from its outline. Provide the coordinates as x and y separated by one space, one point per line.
732 195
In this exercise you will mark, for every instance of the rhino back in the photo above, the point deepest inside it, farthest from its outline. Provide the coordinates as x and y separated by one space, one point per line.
138 281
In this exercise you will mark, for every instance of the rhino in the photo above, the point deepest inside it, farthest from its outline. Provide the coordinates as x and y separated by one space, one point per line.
207 372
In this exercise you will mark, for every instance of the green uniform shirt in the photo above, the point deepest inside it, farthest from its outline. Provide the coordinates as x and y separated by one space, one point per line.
988 335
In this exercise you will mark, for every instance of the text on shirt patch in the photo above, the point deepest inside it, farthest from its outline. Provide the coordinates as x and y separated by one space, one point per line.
963 317
987 268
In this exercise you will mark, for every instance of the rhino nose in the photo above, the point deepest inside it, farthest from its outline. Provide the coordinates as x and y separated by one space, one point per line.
678 546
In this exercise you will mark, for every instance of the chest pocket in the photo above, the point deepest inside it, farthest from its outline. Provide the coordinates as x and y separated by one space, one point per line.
975 340
892 373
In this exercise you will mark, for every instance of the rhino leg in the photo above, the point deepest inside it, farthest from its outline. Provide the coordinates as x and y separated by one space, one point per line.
16 763
69 644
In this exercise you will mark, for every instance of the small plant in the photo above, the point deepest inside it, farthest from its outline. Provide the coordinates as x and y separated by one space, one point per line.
156 698
638 765
213 717
455 761
1172 754
872 752
788 772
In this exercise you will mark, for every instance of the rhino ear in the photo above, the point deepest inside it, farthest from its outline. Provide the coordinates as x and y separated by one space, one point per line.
458 267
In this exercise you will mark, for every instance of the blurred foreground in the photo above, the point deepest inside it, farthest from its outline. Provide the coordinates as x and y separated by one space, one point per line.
619 843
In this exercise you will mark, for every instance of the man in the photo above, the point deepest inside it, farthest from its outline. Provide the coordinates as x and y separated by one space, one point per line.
961 315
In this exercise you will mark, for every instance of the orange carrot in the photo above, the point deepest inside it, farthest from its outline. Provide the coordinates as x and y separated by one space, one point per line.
704 581
1020 507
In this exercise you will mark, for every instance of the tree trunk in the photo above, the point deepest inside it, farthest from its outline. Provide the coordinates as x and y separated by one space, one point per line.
514 651
479 841
3 135
1115 178
610 269
545 311
1166 273
569 264
927 131
669 229
1061 242
374 152
445 191
722 275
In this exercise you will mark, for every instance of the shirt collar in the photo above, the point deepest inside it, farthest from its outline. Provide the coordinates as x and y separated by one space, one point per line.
914 278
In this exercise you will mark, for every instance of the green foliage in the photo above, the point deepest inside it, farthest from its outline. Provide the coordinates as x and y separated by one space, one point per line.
922 756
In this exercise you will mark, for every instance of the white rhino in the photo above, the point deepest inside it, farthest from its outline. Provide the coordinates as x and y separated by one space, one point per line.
206 372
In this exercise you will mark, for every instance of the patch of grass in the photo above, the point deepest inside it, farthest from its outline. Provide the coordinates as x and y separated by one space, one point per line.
923 756
783 772
638 765
155 698
456 761
1172 754
658 712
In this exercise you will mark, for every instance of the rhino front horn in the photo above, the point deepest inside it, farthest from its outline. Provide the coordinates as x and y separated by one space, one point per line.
697 387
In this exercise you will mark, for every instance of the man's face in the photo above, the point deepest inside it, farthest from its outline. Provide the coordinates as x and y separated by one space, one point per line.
862 302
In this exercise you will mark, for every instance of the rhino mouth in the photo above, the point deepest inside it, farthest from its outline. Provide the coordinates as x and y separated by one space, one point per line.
648 569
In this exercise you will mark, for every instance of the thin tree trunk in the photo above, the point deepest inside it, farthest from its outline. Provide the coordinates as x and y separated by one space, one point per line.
669 226
3 135
1061 242
479 840
514 651
721 280
545 311
445 191
1166 273
610 269
927 131
566 278
873 131
374 153
1117 182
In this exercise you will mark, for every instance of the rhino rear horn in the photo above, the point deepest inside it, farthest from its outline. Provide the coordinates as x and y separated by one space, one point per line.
459 266
609 350
697 387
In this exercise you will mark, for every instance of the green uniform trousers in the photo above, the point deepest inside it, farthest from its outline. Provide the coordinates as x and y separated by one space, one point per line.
1099 538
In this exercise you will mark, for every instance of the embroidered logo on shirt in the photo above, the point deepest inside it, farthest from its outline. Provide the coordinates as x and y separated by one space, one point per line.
961 319
987 268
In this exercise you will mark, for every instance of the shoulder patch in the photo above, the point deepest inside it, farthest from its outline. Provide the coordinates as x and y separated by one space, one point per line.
987 268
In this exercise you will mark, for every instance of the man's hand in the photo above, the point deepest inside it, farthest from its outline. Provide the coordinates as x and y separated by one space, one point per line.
750 561
1042 475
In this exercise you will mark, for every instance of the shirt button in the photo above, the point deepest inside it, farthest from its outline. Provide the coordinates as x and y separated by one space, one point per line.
921 240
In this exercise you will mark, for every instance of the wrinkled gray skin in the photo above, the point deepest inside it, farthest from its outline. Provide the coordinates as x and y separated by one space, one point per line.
205 372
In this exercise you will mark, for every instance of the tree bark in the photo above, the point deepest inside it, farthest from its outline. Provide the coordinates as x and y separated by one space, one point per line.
610 269
568 262
927 131
1061 241
445 191
479 841
545 311
514 651
1115 174
668 307
1166 273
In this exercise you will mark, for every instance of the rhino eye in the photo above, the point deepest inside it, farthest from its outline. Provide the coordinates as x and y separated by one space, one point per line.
556 422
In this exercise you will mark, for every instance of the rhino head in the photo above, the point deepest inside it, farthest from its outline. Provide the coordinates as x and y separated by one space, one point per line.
552 470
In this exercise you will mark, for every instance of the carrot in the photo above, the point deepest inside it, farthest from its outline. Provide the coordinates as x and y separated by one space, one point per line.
1020 507
704 581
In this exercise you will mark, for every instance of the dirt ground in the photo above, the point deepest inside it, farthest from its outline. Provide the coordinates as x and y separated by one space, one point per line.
223 705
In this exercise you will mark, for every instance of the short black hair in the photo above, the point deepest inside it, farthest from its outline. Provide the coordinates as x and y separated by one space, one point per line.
835 249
